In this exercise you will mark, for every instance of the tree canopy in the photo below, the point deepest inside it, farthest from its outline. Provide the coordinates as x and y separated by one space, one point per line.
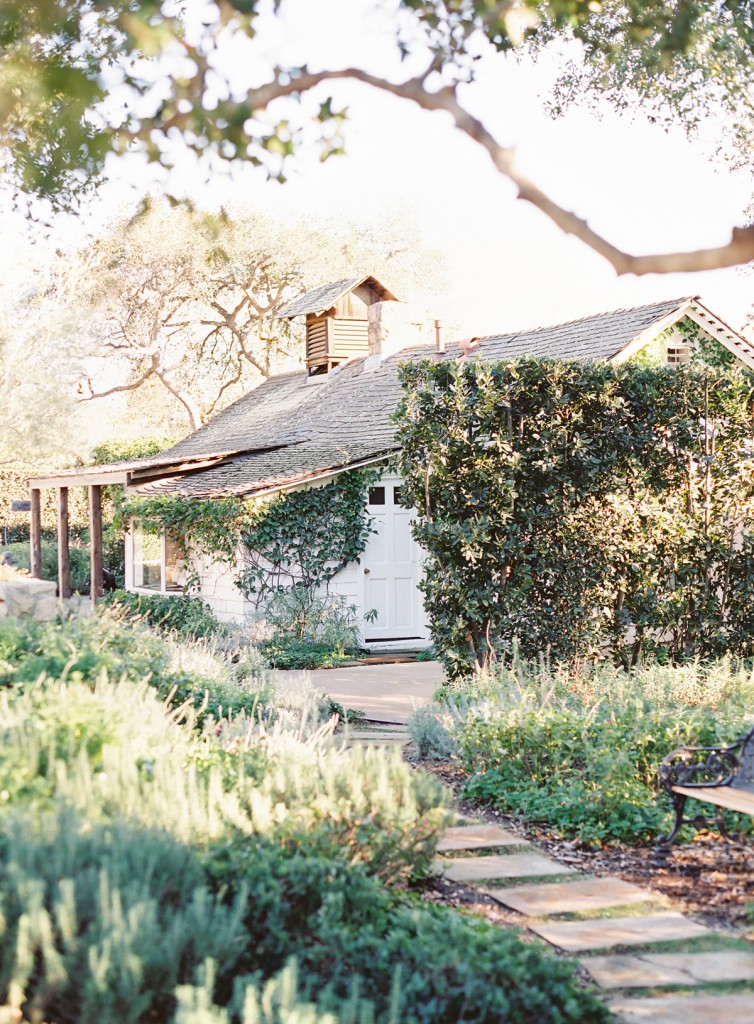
82 78
176 311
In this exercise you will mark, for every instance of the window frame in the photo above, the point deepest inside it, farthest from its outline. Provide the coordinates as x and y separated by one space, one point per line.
134 530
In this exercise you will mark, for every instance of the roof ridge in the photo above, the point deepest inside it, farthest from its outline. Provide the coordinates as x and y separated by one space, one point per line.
591 316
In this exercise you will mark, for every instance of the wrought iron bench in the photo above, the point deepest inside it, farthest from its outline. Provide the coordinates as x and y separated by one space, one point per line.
721 776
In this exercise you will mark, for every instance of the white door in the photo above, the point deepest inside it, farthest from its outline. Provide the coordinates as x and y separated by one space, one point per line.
392 569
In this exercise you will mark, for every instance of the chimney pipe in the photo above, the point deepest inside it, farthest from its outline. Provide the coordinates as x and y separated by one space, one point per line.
439 342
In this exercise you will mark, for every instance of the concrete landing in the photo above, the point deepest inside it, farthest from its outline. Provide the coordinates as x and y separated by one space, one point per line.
385 693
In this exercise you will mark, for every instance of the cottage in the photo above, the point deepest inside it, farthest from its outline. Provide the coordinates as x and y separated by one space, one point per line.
302 429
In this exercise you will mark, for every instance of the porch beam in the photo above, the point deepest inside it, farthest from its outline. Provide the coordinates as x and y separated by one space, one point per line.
97 585
64 553
35 534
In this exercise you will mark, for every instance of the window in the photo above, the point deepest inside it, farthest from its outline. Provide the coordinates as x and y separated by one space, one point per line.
157 562
147 560
377 496
678 354
173 565
397 495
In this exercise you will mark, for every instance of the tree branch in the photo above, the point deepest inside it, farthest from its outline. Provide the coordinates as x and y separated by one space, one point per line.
740 248
121 387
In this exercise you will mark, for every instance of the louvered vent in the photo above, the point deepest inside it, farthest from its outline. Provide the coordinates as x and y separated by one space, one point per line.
316 341
337 320
351 338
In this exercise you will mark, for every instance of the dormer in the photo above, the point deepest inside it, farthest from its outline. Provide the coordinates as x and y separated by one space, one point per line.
337 320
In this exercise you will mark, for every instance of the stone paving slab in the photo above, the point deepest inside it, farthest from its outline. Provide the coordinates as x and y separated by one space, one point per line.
376 737
476 837
512 865
719 965
571 897
633 972
580 936
695 1009
652 969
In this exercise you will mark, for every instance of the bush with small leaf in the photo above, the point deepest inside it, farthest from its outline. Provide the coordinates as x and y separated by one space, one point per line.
430 729
153 871
79 559
178 615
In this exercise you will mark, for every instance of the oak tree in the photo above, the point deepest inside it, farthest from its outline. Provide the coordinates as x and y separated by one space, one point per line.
83 78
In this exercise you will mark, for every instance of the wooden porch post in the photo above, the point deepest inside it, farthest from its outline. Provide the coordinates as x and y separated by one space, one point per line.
35 535
95 542
64 554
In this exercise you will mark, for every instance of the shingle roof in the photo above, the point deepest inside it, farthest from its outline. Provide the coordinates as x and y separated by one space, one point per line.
601 336
345 419
324 297
294 428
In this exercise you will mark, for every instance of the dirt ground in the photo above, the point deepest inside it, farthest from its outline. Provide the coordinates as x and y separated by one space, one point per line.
706 877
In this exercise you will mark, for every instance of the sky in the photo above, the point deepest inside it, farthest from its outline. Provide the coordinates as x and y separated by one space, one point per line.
509 266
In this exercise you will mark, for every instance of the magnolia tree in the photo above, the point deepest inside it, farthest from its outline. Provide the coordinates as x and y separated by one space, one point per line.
83 78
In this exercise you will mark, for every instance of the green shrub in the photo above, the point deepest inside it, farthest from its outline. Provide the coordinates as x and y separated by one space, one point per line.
181 615
277 1001
580 754
430 734
420 965
130 863
111 749
319 632
287 652
215 681
80 648
428 654
79 564
555 512
103 922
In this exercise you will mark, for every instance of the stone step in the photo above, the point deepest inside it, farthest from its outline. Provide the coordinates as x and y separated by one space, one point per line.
653 969
363 729
580 936
570 897
693 1009
378 741
511 865
476 837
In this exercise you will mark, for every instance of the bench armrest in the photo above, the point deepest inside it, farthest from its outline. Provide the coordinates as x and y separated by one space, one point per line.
687 766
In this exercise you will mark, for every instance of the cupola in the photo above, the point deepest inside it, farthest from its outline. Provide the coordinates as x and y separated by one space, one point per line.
337 320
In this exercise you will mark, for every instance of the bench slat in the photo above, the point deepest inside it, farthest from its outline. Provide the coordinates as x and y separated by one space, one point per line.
721 796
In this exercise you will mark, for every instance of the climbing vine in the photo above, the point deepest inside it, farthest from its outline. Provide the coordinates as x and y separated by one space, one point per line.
295 541
303 539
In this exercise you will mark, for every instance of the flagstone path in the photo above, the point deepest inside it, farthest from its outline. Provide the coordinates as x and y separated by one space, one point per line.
620 922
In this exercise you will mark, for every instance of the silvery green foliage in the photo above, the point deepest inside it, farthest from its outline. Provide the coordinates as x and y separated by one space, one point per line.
431 730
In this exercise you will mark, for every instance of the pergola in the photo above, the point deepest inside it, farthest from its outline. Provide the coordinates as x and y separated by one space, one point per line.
94 480
130 476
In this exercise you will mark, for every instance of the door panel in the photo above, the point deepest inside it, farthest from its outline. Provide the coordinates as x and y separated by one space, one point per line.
392 567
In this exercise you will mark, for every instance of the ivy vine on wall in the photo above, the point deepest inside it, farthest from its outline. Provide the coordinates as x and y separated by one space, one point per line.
303 539
296 541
